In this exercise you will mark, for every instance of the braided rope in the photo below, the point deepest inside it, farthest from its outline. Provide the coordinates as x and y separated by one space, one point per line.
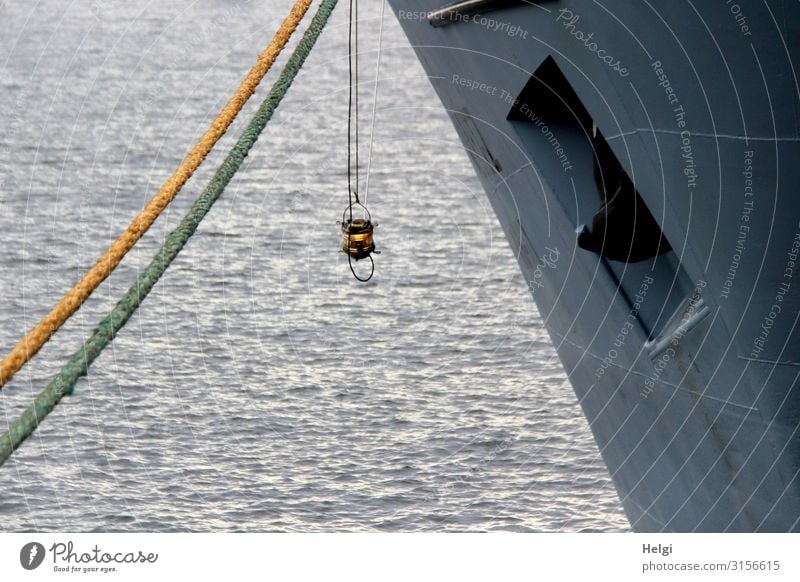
30 345
78 365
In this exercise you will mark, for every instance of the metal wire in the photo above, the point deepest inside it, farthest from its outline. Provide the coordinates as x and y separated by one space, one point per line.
374 104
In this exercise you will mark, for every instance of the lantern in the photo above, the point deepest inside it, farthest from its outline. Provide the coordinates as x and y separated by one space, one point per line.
357 239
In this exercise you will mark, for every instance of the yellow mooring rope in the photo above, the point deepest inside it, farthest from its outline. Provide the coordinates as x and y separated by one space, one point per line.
77 366
71 302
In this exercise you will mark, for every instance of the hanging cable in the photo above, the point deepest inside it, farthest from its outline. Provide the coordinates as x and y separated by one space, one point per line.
374 103
355 89
350 109
352 106
357 240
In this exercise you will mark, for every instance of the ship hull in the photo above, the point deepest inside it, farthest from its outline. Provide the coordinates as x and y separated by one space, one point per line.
686 365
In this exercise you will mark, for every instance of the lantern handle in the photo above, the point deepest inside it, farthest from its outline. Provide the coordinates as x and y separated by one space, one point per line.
350 210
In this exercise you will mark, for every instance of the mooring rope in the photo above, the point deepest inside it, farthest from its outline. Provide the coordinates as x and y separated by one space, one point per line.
78 364
30 345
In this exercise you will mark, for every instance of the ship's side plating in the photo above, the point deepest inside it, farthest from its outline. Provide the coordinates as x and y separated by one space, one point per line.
686 366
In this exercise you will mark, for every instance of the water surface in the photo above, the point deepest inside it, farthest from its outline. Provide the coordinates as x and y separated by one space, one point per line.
259 387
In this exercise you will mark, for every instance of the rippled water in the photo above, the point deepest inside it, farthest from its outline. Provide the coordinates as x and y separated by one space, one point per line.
260 388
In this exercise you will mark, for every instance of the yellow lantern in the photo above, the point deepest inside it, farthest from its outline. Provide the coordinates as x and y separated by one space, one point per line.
357 239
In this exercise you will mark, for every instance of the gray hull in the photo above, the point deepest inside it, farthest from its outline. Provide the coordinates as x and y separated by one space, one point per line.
686 365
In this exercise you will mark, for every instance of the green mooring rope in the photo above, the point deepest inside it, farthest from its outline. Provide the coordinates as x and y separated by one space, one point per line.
78 364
